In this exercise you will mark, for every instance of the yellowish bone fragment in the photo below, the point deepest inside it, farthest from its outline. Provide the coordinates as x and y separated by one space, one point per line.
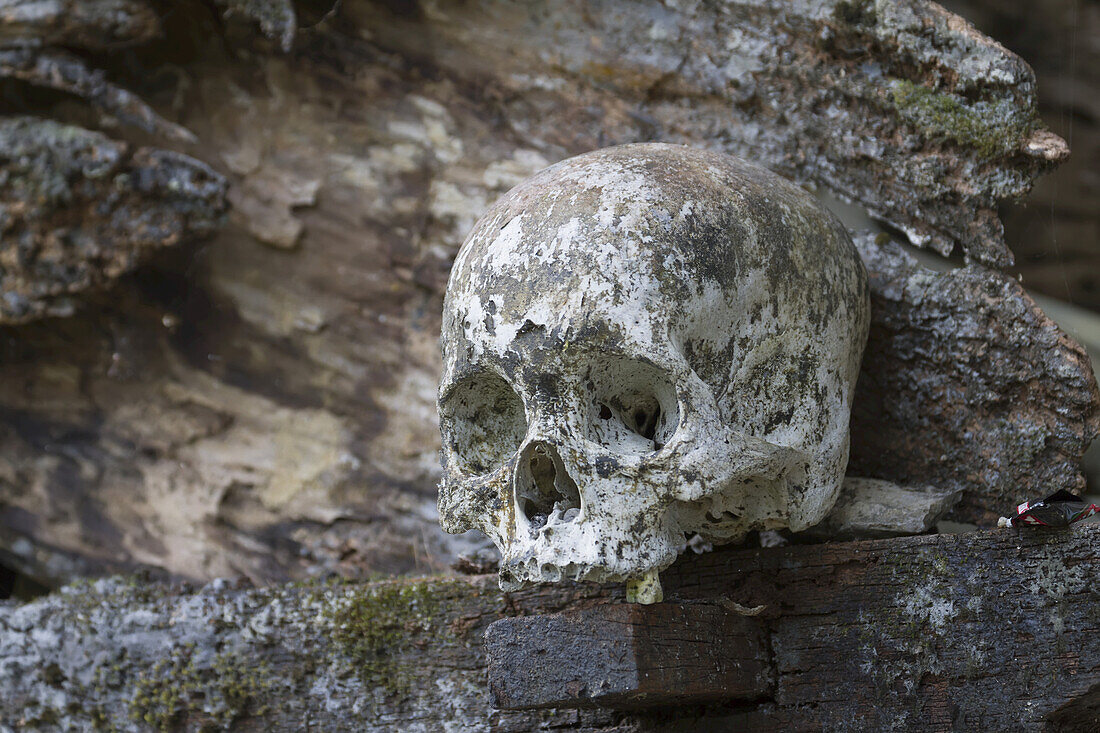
646 589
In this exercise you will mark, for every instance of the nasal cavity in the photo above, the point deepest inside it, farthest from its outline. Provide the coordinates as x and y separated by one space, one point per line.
545 493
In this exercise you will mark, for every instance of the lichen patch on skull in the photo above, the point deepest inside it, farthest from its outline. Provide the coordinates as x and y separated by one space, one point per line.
643 344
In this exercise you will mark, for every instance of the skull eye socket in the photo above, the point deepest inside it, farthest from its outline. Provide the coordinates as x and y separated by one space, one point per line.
483 423
634 408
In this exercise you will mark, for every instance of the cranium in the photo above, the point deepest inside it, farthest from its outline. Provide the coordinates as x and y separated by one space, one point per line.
641 344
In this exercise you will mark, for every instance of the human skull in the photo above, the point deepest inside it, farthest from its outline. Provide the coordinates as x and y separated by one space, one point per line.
641 344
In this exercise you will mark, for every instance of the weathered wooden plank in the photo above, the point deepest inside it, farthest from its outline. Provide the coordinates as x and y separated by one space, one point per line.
937 631
994 630
627 656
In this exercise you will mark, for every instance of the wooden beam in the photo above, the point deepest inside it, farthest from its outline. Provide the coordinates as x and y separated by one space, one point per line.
627 656
994 630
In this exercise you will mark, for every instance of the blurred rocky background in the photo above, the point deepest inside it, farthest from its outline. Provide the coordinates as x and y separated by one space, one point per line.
227 225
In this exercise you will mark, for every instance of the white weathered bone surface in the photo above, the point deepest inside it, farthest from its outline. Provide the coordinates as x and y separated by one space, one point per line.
642 343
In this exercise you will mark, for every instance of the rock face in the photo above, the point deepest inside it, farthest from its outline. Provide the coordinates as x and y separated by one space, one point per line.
1054 235
86 24
967 384
855 95
264 403
78 210
644 343
870 507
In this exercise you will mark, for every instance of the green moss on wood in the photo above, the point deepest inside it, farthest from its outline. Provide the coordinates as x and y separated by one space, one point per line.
377 626
175 688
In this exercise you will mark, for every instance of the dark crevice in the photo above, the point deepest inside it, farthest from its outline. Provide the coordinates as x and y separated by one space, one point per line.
17 586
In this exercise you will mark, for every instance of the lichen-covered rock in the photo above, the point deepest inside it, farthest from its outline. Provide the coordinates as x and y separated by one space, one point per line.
900 106
967 385
642 343
130 655
1054 235
122 654
88 24
77 210
64 72
276 19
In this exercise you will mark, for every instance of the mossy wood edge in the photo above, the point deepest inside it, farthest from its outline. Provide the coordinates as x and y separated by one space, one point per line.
994 630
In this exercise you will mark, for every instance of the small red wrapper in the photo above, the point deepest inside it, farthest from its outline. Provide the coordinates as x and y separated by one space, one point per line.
1060 509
